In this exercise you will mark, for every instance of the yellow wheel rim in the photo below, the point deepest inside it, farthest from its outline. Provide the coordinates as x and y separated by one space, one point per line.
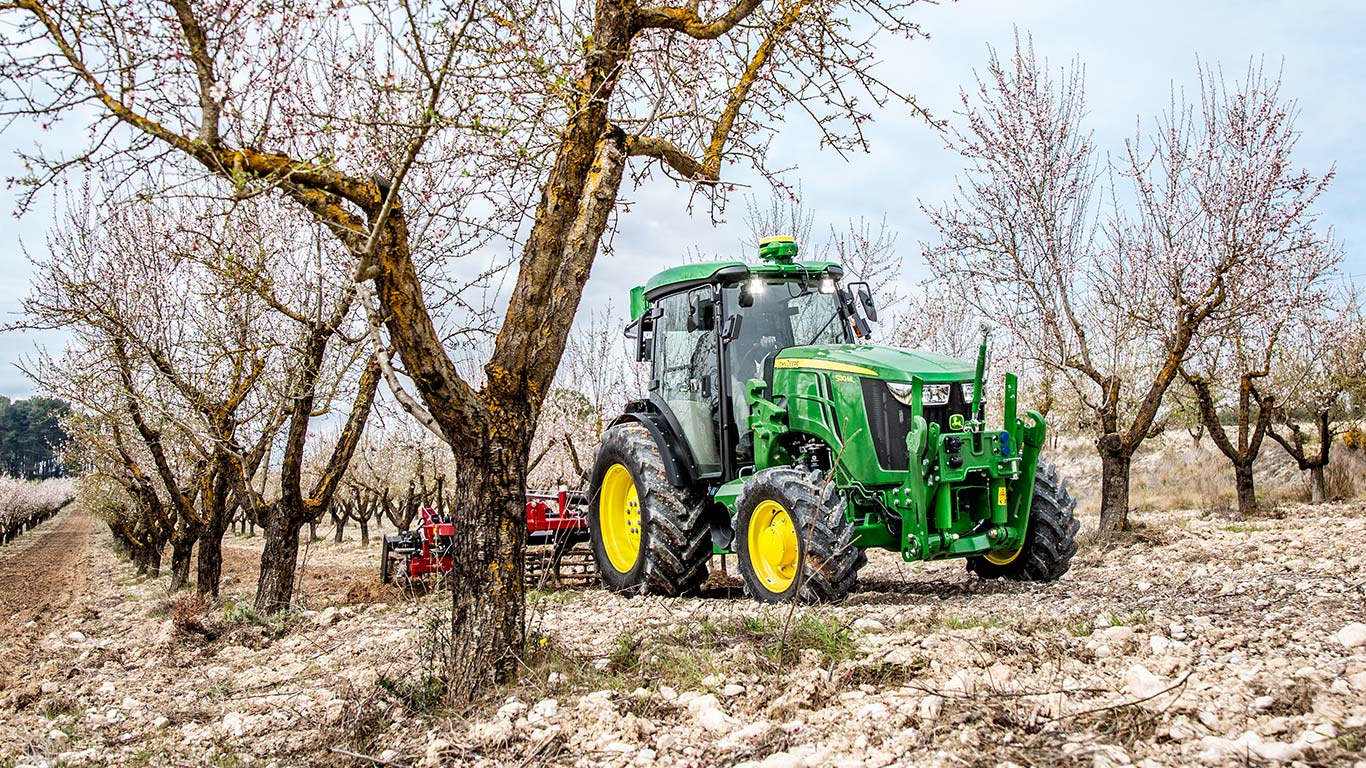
1003 558
619 518
773 546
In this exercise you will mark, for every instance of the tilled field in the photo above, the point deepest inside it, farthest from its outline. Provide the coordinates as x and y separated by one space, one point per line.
1194 641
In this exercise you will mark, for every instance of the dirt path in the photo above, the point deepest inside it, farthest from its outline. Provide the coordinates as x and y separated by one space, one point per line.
39 582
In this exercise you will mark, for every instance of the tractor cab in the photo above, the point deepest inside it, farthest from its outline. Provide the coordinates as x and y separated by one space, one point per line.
710 329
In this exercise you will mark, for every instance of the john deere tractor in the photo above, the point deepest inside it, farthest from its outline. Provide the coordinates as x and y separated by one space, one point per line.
774 431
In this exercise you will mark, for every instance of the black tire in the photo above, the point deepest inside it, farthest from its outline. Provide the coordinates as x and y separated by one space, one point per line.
1051 539
675 541
828 562
386 573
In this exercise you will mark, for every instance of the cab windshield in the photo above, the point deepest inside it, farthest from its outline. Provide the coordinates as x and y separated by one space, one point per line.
783 313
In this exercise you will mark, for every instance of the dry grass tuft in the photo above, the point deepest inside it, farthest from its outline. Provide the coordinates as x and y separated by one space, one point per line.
188 611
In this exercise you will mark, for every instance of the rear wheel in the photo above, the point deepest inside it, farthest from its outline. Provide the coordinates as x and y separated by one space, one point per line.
1050 541
386 573
792 539
646 535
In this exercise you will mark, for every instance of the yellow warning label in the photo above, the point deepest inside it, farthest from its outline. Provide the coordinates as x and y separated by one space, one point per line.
1001 496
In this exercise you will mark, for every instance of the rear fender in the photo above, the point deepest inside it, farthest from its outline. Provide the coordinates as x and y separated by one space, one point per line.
677 461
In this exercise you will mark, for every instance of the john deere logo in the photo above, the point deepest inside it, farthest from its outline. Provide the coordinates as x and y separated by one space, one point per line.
955 421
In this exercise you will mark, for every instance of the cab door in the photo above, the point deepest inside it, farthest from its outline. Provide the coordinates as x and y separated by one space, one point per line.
687 373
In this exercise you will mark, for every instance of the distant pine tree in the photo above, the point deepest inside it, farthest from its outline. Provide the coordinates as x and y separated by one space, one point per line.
31 437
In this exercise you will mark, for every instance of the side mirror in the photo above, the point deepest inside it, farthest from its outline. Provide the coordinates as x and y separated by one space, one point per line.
731 330
865 300
701 312
851 313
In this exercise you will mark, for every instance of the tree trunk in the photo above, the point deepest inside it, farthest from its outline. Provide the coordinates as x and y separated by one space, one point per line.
1247 491
487 578
364 532
181 551
210 562
149 559
1317 488
1114 492
339 522
275 587
312 530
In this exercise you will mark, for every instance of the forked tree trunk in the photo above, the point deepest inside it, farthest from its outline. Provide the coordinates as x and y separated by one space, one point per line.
1318 490
275 588
1247 490
1114 492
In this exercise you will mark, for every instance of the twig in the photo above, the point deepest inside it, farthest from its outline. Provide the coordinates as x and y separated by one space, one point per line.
1122 704
371 758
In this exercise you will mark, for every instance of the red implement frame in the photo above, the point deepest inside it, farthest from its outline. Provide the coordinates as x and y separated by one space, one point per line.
552 517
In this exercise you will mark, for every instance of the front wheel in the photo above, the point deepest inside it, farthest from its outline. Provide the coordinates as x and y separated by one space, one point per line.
1050 541
793 539
646 535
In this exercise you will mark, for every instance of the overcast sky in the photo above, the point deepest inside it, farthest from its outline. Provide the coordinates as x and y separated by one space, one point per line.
1134 53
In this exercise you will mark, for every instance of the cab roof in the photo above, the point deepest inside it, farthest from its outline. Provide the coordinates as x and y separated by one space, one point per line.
686 275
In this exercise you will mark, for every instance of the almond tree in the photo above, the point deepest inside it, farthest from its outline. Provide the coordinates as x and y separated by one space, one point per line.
1114 301
530 109
1227 371
1321 364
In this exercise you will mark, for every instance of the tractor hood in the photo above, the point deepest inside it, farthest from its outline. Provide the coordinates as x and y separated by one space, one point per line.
888 363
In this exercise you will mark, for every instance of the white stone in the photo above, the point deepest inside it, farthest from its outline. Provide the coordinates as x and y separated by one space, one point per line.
232 724
492 734
1158 644
1116 635
930 707
782 760
1352 635
544 711
732 690
161 721
75 636
1263 703
960 683
1142 683
1276 751
1103 651
329 615
707 711
866 624
57 737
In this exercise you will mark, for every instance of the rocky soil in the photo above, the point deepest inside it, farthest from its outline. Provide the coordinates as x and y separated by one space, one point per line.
1196 640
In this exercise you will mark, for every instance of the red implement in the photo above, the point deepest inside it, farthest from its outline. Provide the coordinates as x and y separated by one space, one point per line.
552 517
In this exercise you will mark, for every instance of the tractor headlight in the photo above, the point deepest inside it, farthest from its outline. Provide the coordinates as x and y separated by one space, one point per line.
904 392
967 391
936 394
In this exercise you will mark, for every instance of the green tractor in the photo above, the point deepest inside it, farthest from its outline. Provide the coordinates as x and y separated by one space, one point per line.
772 430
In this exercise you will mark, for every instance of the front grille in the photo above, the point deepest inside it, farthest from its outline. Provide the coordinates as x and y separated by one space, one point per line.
889 421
